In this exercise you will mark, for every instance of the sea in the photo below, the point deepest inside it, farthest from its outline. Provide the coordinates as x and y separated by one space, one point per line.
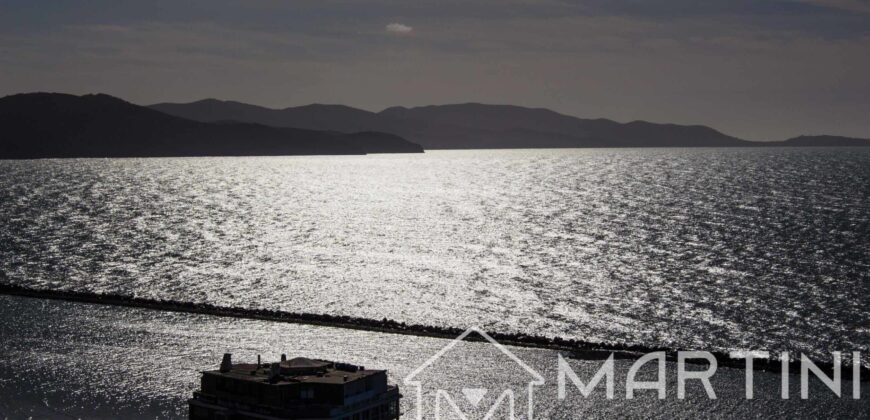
762 249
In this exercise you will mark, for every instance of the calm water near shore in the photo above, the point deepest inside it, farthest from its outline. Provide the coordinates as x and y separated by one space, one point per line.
701 248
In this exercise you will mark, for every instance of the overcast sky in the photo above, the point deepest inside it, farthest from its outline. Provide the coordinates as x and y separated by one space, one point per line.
762 69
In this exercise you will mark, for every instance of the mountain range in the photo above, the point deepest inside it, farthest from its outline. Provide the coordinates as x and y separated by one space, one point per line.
41 125
481 126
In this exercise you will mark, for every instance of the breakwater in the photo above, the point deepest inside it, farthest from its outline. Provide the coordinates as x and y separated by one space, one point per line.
570 347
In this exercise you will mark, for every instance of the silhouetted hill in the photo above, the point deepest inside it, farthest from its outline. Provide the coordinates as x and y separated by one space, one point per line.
472 125
821 141
313 117
39 125
465 125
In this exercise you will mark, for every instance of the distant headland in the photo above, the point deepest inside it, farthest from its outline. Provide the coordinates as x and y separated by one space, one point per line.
55 125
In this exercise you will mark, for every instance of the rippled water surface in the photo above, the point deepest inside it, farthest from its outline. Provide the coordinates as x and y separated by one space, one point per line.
704 248
68 360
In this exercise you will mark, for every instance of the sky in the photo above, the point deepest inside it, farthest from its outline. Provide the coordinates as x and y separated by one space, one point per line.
761 70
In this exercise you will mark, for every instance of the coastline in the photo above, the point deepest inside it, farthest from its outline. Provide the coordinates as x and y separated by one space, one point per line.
576 349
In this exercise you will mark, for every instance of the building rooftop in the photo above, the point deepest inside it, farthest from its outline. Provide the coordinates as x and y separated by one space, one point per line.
297 370
299 388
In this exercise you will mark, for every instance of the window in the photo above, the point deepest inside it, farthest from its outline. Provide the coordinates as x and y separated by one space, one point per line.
306 394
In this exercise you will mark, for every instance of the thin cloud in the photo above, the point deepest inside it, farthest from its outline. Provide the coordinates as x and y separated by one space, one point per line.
398 28
856 6
103 28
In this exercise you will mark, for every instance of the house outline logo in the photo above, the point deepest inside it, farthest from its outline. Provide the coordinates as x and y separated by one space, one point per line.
474 394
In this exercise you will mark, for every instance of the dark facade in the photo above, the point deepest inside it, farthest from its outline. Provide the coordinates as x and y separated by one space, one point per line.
299 388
